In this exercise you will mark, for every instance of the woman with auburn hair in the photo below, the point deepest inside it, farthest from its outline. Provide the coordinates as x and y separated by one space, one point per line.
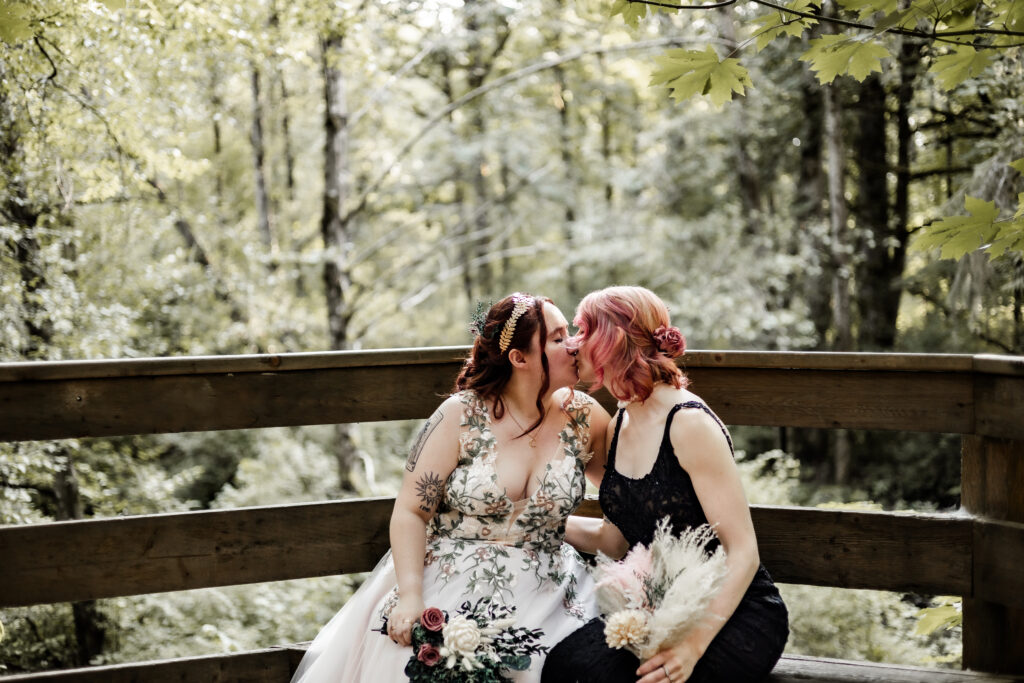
669 456
489 483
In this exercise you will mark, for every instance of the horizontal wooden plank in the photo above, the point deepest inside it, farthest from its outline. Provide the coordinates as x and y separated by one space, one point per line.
853 549
794 669
258 666
63 408
920 402
999 562
179 403
828 360
203 365
999 365
272 666
800 360
68 561
879 550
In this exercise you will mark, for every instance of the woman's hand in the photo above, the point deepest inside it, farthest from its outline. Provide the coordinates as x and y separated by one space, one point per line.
673 664
406 613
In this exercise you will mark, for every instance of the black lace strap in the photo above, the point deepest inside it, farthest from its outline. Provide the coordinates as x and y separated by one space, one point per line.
666 443
610 464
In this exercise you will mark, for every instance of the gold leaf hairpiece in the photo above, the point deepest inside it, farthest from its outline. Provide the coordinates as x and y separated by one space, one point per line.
509 329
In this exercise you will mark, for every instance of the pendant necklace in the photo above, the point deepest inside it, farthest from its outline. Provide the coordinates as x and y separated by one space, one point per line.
533 437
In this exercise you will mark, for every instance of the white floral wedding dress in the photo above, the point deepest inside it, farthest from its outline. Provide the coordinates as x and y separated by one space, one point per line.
479 544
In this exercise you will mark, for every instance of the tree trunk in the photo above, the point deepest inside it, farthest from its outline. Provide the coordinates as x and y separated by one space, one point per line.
843 324
335 231
747 178
567 147
258 161
875 278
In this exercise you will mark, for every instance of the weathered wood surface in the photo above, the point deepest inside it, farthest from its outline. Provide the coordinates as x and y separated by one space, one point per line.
794 669
80 560
852 549
67 561
188 365
920 402
992 476
857 391
277 665
273 665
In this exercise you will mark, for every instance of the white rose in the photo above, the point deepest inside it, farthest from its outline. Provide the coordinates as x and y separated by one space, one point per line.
461 635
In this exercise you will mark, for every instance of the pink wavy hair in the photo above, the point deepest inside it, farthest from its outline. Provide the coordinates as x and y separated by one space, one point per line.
618 325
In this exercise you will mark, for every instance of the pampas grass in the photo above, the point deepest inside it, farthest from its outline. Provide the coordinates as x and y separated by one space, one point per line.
673 581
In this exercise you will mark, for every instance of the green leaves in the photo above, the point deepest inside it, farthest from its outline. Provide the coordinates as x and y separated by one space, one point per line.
956 67
778 23
960 235
947 614
691 72
15 22
837 55
632 12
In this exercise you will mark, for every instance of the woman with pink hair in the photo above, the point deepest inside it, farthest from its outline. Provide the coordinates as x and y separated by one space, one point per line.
669 456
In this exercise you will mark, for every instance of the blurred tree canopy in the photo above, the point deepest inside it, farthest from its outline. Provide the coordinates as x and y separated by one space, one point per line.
227 177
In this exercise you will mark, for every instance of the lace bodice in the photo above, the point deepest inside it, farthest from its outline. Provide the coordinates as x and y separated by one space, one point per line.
476 507
636 505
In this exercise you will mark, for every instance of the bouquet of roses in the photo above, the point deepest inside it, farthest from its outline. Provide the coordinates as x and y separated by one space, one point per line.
477 644
655 595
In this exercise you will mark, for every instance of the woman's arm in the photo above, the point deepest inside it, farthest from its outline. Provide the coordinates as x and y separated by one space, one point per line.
589 534
432 458
600 437
704 453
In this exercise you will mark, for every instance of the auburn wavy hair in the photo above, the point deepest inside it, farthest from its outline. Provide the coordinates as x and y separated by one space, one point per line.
487 371
618 326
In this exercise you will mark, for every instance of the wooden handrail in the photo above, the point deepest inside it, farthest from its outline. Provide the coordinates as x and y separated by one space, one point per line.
912 392
89 559
975 555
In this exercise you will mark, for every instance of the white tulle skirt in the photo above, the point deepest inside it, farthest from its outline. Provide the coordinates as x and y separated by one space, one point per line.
550 591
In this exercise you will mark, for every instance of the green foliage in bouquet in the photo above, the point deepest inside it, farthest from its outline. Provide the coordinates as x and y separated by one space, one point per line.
479 644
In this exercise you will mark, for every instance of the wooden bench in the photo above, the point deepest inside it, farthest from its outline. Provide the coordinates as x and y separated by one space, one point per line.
977 554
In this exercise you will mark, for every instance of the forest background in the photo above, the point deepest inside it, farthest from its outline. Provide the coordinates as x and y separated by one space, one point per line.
182 178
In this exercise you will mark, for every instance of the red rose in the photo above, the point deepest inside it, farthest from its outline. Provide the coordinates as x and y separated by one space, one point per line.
670 341
429 654
432 619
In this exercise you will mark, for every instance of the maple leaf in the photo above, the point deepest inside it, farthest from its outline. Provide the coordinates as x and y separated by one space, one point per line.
15 22
632 12
865 8
691 72
959 235
956 67
836 55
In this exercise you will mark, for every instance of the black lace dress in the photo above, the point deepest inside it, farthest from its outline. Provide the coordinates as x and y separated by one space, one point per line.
750 642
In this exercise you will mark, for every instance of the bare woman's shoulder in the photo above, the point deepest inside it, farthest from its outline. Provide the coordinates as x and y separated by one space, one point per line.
694 432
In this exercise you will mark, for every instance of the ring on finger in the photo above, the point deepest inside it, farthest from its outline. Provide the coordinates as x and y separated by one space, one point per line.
667 675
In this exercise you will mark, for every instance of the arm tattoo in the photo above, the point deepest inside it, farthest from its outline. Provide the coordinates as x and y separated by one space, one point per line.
417 447
429 489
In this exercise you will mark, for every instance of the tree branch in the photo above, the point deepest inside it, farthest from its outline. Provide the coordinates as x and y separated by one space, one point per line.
928 35
493 85
42 49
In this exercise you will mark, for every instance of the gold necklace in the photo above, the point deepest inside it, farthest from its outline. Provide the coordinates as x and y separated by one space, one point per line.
533 437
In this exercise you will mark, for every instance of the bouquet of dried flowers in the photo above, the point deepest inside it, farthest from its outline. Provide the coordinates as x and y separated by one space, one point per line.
654 595
477 644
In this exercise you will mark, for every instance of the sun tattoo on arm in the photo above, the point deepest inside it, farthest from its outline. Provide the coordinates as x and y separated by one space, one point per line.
429 488
417 447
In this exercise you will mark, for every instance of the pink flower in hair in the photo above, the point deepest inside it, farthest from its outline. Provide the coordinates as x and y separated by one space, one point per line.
670 341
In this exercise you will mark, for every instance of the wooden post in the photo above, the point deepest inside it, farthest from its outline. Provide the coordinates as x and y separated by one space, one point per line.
993 488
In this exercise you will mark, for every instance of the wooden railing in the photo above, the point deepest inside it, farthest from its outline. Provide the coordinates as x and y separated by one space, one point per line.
977 553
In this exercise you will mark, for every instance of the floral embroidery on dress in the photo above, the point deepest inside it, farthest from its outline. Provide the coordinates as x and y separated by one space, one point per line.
477 508
470 537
